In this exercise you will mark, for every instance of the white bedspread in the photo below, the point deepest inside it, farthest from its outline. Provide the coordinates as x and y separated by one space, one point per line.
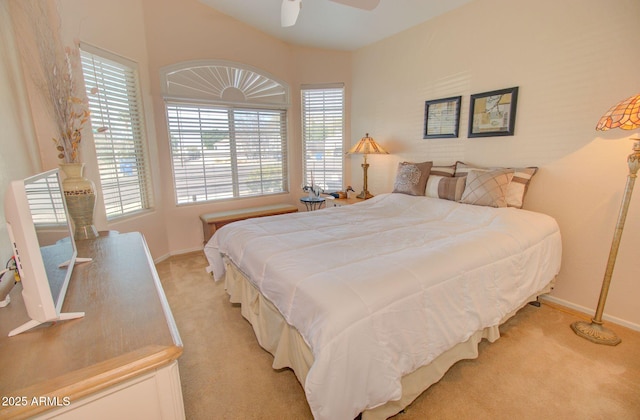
380 288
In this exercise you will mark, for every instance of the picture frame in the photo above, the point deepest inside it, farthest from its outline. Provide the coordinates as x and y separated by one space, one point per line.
493 113
442 118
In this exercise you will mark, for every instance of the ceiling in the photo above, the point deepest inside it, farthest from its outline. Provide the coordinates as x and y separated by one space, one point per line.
325 24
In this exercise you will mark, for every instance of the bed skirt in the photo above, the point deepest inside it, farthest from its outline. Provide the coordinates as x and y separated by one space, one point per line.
290 350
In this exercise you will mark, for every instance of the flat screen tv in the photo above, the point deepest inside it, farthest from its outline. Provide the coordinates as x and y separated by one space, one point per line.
42 239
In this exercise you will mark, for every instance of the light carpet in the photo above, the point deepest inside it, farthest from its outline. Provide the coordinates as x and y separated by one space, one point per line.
538 369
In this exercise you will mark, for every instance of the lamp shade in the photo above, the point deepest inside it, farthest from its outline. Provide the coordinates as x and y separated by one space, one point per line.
624 115
367 146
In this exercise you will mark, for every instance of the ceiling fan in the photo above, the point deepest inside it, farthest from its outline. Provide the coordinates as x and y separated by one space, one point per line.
291 8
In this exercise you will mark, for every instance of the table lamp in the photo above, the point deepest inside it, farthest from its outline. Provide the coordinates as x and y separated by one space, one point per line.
624 115
365 146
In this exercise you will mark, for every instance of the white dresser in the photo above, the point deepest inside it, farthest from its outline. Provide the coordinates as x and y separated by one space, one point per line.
119 361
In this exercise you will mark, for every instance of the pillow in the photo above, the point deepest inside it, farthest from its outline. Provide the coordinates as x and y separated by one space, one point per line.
411 178
487 188
447 171
518 186
448 188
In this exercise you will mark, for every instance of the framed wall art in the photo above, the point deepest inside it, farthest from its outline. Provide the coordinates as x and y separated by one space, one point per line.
493 113
442 118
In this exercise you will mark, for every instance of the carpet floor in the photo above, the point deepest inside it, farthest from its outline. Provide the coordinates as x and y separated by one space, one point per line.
538 369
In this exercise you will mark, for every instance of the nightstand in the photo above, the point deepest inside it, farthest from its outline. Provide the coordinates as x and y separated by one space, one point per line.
312 203
339 202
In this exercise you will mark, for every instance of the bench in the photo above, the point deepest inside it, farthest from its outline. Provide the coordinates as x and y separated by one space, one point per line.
214 221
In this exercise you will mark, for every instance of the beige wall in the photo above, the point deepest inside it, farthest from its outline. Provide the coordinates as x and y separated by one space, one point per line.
568 58
188 30
93 23
19 157
572 60
155 34
118 26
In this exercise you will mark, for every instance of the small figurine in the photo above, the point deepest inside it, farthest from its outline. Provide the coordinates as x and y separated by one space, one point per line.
349 189
342 194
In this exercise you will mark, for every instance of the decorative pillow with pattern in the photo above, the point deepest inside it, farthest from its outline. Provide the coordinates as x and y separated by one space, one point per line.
448 188
487 188
411 178
518 186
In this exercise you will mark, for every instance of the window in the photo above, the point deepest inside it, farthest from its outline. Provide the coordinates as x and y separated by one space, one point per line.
45 202
221 152
118 130
227 127
323 135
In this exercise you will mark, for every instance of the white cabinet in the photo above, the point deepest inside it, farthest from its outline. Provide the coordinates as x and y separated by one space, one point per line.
119 361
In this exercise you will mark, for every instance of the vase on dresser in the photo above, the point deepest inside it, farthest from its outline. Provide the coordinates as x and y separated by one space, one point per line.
79 194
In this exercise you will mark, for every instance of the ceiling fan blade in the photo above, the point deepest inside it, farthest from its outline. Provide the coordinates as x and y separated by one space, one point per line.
359 4
289 12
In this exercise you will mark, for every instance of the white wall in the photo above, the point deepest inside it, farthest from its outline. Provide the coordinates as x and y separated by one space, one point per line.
572 60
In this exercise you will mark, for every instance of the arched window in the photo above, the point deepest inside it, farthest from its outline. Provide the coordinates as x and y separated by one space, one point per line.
227 127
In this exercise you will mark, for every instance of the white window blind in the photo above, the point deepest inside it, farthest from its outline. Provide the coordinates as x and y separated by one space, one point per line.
45 202
323 136
221 152
117 123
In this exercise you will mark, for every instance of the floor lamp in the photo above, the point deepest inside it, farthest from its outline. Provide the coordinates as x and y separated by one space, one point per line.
365 146
624 115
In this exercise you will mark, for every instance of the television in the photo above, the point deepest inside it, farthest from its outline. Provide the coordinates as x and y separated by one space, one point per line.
41 235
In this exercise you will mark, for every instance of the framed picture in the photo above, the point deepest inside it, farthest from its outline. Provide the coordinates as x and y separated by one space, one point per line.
493 113
442 118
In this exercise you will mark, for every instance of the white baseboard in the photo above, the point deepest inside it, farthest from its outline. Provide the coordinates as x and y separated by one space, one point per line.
161 258
590 312
174 253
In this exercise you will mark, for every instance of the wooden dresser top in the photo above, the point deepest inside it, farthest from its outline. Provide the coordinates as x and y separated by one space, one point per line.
128 328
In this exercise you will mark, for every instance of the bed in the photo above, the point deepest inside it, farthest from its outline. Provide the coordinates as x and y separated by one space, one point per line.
370 304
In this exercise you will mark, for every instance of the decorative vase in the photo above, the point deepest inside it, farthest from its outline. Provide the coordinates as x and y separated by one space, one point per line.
79 193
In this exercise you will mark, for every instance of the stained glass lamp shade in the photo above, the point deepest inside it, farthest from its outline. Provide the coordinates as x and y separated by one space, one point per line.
624 115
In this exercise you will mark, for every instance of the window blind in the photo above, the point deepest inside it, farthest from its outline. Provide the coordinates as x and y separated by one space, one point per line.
117 123
45 202
323 136
221 152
